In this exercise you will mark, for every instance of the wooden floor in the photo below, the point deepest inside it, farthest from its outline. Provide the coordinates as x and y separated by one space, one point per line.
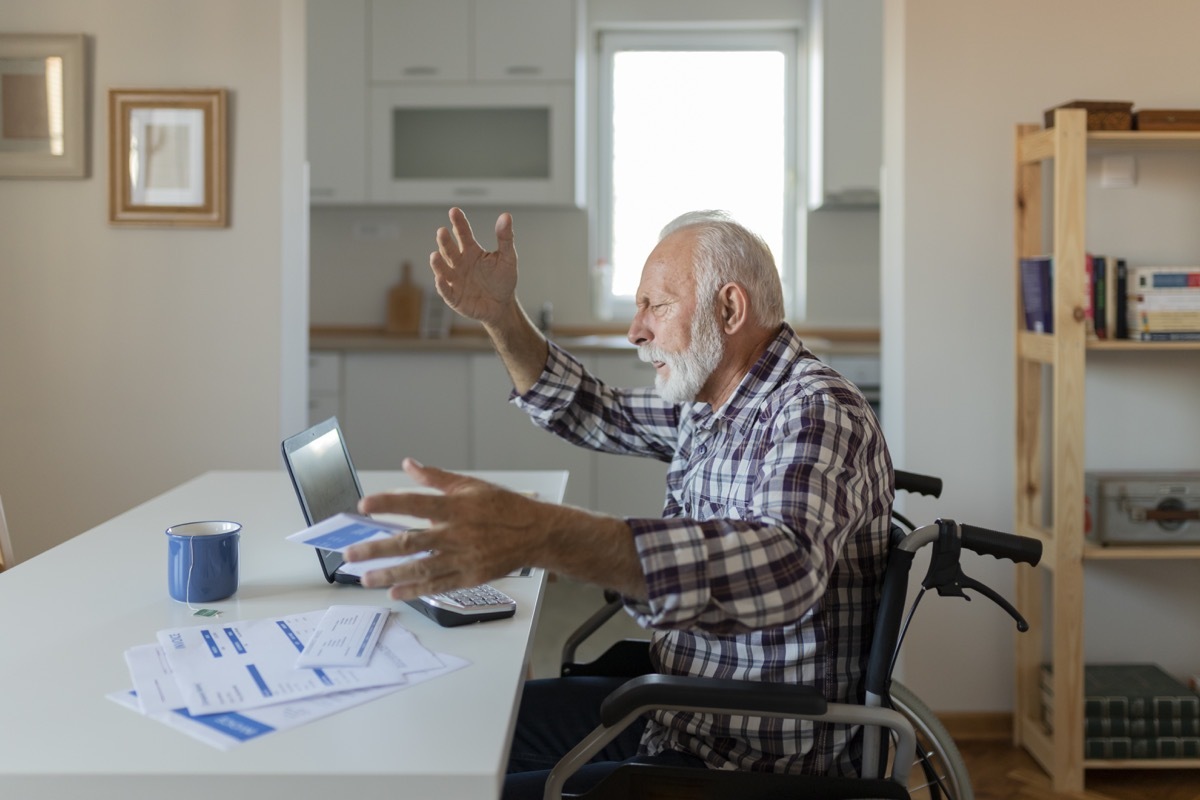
1002 772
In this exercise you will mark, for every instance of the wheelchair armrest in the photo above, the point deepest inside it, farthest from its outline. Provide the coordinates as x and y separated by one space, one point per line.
627 658
709 695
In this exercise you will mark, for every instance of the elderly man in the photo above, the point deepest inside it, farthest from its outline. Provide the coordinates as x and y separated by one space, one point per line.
767 560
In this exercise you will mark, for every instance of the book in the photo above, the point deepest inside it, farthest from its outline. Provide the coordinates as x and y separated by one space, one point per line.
1168 336
1037 298
1168 320
1141 726
1100 295
1132 711
1117 747
1136 691
1120 313
1168 277
1089 303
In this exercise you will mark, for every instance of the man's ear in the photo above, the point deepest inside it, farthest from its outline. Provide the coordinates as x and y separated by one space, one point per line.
733 307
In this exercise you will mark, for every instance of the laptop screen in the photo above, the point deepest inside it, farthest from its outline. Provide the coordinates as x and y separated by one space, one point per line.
324 478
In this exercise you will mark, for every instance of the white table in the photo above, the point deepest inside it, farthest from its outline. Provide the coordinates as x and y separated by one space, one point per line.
67 616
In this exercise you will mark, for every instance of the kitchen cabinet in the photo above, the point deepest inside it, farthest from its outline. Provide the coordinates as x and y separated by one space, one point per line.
472 40
504 438
337 101
845 115
450 409
324 386
628 486
441 102
406 404
472 143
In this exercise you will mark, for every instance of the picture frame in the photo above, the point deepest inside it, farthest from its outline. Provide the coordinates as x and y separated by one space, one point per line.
167 157
43 127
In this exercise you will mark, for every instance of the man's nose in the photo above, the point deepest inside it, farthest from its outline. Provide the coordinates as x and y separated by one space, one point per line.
638 332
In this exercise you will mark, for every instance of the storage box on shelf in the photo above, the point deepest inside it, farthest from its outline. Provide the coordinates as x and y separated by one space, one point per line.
1063 149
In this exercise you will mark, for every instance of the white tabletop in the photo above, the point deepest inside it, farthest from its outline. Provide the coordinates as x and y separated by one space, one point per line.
68 615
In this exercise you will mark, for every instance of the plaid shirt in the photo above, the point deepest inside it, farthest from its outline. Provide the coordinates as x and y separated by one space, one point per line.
767 563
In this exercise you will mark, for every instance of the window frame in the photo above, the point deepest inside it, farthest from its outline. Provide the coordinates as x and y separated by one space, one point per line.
785 39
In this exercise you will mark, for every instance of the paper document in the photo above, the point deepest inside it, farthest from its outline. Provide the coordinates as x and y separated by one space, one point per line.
229 729
239 665
345 637
341 531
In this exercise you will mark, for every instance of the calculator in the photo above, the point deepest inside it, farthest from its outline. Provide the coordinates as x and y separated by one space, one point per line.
464 606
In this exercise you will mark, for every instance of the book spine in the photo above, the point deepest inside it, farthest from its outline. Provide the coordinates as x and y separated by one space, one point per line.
1169 336
1141 707
1100 296
1119 747
1089 314
1122 318
1188 298
1036 297
1125 726
1168 277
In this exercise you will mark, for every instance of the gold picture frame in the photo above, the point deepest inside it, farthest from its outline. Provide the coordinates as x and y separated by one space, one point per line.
43 127
167 157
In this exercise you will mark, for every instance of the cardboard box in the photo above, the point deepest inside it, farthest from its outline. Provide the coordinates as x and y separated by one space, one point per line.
1167 119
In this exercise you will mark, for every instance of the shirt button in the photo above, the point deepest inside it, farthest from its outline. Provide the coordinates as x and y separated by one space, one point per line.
763 414
702 449
687 509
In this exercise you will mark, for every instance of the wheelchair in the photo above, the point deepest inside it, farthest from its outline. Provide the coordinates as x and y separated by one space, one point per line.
902 737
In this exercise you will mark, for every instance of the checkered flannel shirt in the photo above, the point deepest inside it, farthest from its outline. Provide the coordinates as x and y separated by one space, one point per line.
768 560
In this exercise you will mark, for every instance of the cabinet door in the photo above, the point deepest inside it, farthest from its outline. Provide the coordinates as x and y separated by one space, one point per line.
524 40
406 404
846 103
423 40
628 486
337 101
324 386
504 438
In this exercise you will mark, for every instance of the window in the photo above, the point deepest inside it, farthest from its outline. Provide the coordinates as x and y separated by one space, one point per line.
686 121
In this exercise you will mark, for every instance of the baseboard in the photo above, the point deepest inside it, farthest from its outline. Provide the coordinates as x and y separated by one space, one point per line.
978 726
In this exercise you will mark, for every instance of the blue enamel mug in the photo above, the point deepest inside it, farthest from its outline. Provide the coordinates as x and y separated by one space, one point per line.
202 560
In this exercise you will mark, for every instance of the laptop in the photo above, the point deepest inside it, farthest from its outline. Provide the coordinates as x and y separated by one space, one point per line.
326 483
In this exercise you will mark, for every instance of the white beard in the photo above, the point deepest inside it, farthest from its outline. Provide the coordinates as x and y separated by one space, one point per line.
688 371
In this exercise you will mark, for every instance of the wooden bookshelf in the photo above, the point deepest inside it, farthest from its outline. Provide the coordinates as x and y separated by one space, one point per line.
1056 364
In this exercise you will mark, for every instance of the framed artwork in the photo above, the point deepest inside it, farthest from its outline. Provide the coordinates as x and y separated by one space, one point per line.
167 157
43 130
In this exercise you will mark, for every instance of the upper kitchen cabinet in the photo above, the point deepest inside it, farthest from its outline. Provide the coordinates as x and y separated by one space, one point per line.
337 101
428 102
472 40
845 102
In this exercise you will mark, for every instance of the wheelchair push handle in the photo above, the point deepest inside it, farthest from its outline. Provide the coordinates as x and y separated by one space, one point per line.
984 541
915 483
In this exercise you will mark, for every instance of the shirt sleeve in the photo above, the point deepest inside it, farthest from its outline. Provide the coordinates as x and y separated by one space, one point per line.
823 476
573 404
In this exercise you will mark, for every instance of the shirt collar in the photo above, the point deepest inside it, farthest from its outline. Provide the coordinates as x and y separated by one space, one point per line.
751 397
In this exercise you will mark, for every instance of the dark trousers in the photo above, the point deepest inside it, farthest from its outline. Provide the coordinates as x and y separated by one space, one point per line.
555 714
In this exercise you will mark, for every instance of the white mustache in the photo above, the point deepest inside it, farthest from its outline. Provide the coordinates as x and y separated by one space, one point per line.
649 353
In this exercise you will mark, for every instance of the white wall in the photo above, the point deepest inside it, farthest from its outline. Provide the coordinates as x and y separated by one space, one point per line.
959 77
132 359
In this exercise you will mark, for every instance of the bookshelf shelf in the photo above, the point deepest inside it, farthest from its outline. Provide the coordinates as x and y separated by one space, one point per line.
1054 366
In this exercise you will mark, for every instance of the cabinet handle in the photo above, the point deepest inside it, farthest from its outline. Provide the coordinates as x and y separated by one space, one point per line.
471 191
419 70
523 69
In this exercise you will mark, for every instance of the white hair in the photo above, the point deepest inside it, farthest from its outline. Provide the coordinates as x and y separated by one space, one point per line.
728 252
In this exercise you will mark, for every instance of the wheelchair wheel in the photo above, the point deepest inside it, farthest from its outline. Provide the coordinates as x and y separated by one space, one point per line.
939 771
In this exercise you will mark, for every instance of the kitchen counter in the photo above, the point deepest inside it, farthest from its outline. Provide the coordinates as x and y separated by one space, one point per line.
365 338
